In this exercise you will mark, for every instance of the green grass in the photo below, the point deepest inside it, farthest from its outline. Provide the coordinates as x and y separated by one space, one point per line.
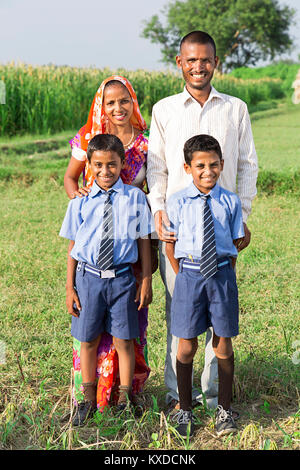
277 137
35 328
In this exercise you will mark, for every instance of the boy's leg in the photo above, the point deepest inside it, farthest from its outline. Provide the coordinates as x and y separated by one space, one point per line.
224 353
168 277
88 359
126 357
223 349
184 369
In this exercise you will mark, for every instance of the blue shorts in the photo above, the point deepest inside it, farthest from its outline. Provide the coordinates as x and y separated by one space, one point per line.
199 303
106 305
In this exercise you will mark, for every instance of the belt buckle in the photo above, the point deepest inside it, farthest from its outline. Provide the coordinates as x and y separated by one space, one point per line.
109 273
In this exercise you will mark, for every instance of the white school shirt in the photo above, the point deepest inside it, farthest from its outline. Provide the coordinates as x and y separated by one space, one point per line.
177 118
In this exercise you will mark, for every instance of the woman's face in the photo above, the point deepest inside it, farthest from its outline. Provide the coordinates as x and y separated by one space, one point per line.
118 105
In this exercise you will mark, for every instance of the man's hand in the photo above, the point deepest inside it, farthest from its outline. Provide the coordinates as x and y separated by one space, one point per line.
244 242
162 225
71 299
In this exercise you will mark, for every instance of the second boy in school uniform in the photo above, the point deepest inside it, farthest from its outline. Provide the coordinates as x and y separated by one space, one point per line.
208 222
107 230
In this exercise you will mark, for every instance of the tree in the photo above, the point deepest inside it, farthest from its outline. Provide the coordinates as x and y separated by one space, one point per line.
244 31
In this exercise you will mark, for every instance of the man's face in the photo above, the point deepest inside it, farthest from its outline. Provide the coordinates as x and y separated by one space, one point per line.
198 63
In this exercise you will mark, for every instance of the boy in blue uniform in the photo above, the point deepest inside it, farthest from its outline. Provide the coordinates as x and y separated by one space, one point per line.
207 221
107 230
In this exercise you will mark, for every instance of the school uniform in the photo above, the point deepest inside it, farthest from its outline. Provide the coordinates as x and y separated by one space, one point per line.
197 302
106 297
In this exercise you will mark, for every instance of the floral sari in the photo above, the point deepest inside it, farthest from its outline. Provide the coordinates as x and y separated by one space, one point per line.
107 371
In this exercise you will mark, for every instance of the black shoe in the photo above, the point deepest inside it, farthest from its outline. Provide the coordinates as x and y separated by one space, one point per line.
84 410
224 422
185 421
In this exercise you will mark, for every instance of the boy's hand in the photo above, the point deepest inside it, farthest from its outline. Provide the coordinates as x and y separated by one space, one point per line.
144 293
71 299
242 243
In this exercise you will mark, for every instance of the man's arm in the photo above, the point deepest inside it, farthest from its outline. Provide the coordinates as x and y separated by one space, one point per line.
157 177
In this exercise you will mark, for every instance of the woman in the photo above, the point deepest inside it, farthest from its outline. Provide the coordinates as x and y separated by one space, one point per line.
114 110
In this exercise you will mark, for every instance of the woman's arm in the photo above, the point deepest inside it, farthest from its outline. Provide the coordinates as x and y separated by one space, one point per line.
71 178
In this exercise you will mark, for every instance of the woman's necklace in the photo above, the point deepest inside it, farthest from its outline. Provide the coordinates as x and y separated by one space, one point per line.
132 135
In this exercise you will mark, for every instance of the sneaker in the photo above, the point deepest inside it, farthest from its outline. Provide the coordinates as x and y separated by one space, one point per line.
84 410
185 421
224 422
174 407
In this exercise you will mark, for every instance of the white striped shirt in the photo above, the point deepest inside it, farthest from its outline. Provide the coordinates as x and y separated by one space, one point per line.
177 118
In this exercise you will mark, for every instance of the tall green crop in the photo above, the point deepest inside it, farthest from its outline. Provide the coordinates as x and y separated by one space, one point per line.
50 99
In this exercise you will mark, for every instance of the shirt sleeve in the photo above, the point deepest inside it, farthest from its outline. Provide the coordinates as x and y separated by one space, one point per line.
247 164
236 225
145 221
157 172
72 220
79 154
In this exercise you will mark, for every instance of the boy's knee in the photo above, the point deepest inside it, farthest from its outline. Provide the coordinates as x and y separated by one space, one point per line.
187 350
90 345
222 347
123 344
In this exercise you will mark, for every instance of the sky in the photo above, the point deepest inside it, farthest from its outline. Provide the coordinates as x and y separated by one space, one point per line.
94 33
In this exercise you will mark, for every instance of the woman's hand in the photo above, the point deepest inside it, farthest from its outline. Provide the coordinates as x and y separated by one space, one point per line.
84 191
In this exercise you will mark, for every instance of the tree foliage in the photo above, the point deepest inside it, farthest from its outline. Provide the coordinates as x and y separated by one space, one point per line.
244 31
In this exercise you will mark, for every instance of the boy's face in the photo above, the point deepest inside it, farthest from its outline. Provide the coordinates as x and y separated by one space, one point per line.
205 169
106 167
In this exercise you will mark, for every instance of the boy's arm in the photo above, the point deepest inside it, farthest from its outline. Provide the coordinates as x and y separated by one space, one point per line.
144 291
170 248
71 294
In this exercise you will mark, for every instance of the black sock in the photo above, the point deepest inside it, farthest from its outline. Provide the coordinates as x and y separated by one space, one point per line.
225 371
184 381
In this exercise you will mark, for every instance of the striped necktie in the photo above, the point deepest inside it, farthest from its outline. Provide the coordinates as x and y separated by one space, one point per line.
106 250
208 263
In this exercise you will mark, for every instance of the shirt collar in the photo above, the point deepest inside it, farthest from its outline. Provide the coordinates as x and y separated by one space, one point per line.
117 187
192 191
214 94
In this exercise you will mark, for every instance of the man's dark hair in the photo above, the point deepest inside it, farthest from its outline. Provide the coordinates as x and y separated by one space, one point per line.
106 143
201 143
199 37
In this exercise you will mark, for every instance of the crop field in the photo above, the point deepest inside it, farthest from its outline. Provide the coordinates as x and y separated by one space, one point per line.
50 99
35 341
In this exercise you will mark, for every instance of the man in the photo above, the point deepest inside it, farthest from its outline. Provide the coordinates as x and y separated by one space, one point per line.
199 109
